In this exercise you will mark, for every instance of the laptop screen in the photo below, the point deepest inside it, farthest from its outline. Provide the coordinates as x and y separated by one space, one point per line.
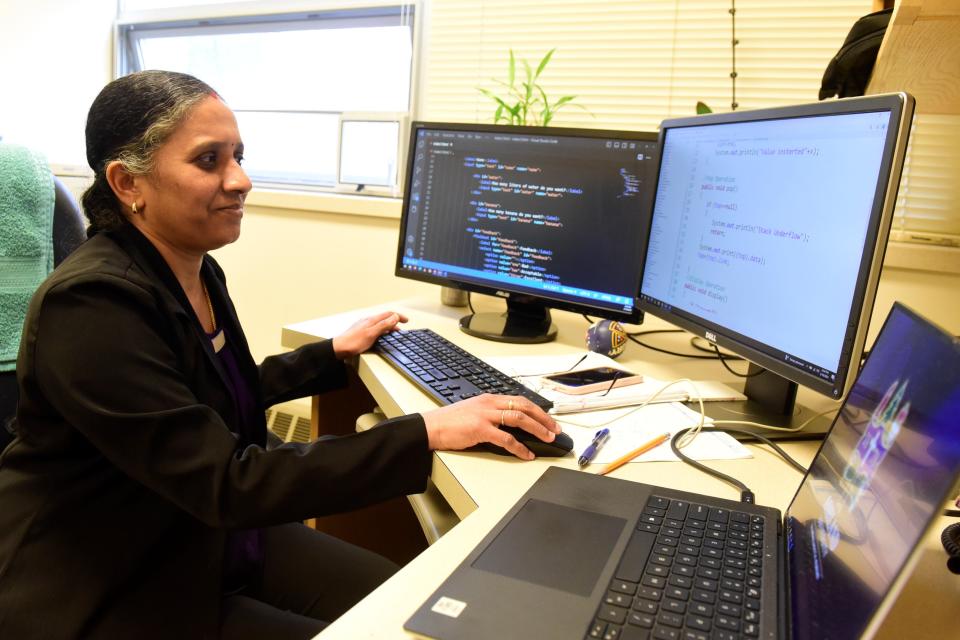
885 469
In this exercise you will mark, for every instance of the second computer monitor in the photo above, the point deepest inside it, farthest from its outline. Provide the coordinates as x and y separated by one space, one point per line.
544 217
768 233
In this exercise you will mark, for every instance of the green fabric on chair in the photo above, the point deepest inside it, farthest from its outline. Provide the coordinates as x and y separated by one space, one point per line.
26 240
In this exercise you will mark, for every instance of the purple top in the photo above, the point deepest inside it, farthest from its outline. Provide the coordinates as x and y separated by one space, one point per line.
243 552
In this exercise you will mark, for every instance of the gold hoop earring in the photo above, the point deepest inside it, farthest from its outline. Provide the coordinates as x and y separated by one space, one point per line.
133 207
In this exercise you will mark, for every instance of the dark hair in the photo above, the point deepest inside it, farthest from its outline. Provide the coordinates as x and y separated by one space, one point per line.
128 121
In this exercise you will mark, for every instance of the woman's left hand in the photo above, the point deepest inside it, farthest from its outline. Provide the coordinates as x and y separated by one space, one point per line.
363 333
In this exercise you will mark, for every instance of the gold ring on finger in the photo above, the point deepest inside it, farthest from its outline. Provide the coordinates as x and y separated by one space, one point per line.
510 406
501 417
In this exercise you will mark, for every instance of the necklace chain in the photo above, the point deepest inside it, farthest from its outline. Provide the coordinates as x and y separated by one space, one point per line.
206 294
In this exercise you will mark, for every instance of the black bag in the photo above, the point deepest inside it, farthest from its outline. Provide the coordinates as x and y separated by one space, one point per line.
849 71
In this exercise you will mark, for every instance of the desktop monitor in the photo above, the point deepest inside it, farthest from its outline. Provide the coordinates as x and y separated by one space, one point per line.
544 217
767 236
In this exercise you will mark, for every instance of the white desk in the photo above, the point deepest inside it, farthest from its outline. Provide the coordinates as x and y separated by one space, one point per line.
484 486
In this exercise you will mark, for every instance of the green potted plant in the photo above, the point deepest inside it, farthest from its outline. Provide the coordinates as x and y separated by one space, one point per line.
525 102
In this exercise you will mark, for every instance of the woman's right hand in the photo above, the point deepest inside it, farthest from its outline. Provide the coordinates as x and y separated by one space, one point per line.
478 419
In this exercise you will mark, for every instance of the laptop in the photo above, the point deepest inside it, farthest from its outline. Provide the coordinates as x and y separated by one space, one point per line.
588 556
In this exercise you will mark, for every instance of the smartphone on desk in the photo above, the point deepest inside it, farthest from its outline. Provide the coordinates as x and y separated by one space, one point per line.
590 380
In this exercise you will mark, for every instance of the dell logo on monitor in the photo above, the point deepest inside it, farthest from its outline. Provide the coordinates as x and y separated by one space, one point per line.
711 336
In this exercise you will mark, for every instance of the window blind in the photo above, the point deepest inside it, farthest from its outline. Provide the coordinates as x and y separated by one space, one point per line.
632 64
928 203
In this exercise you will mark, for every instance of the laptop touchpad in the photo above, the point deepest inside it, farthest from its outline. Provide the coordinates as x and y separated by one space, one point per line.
554 546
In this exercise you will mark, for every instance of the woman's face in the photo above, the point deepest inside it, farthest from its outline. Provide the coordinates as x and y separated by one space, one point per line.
192 201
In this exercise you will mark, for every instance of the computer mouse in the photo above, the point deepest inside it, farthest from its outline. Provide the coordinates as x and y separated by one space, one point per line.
562 444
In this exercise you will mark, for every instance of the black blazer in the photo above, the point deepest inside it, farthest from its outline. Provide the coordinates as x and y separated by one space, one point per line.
116 496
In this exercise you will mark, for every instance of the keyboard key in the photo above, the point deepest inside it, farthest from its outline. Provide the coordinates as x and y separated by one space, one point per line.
638 619
623 586
700 595
673 606
611 613
729 609
634 633
677 593
670 619
719 515
649 593
619 599
658 502
677 509
646 606
612 633
725 622
654 581
635 557
684 582
700 623
661 632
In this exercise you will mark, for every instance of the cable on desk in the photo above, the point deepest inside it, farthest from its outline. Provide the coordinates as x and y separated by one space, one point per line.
723 360
698 343
770 427
746 495
950 538
552 373
633 338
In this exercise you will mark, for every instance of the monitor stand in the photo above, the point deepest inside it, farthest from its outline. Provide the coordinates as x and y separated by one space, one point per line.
526 321
771 400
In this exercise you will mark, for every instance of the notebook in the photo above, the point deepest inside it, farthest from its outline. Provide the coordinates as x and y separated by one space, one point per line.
585 556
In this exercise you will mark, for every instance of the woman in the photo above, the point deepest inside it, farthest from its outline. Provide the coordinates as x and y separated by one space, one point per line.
139 499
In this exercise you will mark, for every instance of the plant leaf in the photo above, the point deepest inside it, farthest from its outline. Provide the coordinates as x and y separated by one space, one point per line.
546 112
562 101
702 108
497 99
511 73
544 62
498 114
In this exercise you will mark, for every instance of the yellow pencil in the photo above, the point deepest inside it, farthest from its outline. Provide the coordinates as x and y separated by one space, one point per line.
619 462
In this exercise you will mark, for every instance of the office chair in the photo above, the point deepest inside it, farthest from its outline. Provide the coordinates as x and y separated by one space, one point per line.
68 234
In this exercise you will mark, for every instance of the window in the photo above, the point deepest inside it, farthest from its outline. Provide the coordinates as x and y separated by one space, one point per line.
371 150
289 77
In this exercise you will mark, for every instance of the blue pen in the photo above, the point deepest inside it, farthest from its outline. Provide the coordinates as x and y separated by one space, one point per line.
591 451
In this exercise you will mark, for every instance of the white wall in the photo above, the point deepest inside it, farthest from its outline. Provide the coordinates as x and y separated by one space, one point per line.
290 266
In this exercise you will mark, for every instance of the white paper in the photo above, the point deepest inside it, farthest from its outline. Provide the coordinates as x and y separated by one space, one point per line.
632 428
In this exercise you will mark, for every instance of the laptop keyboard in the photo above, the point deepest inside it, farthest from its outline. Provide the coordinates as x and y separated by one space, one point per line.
690 572
445 371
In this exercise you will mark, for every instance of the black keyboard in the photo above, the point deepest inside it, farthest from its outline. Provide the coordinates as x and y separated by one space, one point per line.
690 572
445 371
